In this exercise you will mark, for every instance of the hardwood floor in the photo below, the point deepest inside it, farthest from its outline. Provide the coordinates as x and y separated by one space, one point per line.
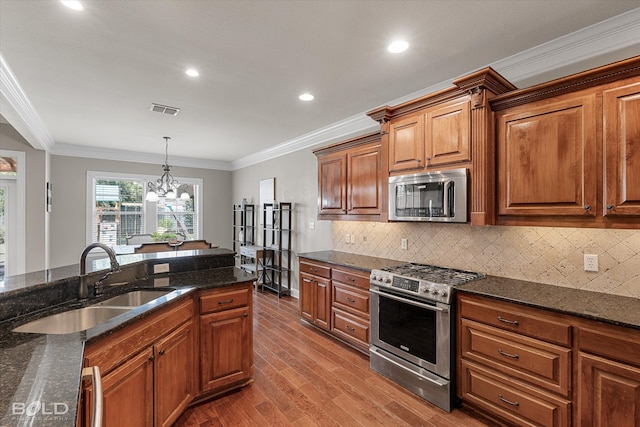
305 378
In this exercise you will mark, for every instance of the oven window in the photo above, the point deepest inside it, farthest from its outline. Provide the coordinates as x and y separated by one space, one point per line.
409 328
420 200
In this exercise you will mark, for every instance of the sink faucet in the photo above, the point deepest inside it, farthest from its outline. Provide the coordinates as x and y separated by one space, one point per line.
83 289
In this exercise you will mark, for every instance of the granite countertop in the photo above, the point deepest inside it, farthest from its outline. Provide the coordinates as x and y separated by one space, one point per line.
614 309
41 373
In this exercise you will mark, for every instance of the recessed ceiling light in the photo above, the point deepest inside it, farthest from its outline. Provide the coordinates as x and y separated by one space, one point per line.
75 5
306 97
398 46
192 72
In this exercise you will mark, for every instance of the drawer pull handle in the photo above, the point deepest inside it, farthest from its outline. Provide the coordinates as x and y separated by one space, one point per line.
510 322
229 301
508 401
351 279
349 328
313 270
513 356
351 300
161 352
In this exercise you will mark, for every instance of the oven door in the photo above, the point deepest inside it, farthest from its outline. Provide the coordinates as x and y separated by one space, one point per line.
415 330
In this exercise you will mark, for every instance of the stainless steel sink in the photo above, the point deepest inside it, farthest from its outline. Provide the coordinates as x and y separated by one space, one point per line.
93 315
132 299
72 321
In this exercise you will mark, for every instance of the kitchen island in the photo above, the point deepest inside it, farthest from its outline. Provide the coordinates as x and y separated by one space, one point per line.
41 373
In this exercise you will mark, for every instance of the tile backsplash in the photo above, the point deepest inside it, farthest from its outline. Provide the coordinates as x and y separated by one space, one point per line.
539 254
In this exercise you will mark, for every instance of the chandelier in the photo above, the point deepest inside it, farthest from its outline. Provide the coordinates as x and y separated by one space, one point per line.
165 186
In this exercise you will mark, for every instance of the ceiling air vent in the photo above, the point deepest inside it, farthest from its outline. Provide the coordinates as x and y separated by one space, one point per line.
172 111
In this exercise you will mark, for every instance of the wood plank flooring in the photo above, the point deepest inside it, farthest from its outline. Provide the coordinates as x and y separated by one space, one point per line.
305 378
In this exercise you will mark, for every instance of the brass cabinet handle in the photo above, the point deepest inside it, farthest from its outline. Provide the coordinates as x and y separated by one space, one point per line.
510 322
513 356
508 401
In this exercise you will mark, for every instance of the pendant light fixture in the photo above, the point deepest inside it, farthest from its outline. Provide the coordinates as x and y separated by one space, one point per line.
166 186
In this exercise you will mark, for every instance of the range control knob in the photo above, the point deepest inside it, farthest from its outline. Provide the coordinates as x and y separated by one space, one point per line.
434 291
443 293
387 280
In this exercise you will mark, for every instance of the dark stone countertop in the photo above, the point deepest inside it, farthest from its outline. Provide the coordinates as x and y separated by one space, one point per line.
41 374
360 262
614 309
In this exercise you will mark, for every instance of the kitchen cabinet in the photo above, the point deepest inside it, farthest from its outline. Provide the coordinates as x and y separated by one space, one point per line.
622 152
352 179
451 128
547 158
350 306
529 366
336 300
137 364
514 362
315 296
431 138
567 150
608 384
226 338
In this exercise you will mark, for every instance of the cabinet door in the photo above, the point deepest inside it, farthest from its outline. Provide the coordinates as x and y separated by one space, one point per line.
406 144
127 394
365 180
322 297
332 184
448 134
226 353
546 158
307 297
622 150
175 374
608 393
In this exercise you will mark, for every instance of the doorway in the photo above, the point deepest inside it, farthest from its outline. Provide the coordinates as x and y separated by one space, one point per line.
12 213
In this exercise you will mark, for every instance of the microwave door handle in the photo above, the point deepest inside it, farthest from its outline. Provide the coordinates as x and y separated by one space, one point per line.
447 206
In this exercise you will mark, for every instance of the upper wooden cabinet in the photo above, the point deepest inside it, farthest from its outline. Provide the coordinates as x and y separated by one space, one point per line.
622 150
432 138
546 158
352 178
569 150
447 129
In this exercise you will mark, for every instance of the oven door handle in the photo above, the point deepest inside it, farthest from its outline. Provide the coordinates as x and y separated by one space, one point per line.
410 302
440 383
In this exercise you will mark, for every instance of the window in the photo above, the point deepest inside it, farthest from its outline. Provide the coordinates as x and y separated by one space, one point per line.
117 209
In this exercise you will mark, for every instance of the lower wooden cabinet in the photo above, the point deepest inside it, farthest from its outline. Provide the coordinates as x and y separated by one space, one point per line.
336 299
526 366
226 338
153 369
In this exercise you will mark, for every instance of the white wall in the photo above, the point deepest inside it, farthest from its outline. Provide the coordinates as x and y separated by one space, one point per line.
68 218
296 181
36 216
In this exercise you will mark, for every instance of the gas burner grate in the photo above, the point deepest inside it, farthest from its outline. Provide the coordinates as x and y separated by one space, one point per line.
435 274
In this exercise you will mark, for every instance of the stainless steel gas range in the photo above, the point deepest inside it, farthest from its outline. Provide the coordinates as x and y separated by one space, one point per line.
412 328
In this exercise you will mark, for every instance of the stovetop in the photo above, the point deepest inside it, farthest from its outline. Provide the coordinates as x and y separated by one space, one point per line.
424 281
432 273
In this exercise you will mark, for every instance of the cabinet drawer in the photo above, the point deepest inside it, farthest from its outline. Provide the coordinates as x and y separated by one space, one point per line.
350 328
537 362
512 317
315 269
350 277
612 342
219 300
351 299
511 400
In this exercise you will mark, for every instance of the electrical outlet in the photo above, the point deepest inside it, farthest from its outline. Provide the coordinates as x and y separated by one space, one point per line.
161 268
347 238
403 244
590 262
312 225
353 238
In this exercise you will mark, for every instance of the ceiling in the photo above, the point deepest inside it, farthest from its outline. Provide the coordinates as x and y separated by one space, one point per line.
87 79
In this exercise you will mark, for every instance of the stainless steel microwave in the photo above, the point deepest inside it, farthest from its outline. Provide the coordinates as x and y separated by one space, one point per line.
429 196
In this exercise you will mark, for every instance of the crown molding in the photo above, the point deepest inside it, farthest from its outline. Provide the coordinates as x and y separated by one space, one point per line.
136 156
18 110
